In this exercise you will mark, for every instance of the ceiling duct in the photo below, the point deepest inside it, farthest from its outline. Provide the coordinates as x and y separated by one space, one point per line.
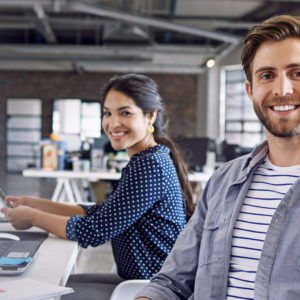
120 33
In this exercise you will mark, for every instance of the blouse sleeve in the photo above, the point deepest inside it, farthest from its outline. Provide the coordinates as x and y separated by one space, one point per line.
141 185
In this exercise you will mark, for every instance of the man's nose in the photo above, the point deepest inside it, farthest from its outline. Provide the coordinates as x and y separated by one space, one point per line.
284 87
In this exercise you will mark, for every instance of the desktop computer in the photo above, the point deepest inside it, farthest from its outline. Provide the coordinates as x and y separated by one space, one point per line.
194 151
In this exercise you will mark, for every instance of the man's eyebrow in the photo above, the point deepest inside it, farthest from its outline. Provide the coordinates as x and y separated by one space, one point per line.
266 68
293 65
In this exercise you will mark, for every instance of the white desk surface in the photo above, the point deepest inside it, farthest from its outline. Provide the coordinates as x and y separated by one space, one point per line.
92 176
69 183
52 263
97 175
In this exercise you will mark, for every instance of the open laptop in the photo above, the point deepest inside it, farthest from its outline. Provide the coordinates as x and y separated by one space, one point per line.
17 255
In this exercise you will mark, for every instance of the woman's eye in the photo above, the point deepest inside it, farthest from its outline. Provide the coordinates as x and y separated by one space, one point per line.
106 113
125 113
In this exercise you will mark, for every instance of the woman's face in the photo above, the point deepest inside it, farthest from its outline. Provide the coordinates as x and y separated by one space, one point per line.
125 124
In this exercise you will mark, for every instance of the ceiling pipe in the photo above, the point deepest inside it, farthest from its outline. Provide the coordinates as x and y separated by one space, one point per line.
125 17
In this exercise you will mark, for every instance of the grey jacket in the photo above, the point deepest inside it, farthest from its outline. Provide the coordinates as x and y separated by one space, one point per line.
197 267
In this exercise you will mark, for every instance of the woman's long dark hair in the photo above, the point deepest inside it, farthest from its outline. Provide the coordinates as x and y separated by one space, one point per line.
143 91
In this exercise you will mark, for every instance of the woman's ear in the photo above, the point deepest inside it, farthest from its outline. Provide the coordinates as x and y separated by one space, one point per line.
152 116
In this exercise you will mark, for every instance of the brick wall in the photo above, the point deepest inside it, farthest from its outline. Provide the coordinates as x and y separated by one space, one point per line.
178 91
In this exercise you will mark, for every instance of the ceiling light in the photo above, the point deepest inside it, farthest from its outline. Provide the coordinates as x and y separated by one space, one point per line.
210 62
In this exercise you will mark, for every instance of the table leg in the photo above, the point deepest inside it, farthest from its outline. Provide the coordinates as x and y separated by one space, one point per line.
69 191
58 189
76 191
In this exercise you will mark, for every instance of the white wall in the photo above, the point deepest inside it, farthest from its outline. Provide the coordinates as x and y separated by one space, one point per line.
208 114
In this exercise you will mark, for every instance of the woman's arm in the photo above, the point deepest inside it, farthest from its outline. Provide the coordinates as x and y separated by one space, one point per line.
25 212
44 205
24 217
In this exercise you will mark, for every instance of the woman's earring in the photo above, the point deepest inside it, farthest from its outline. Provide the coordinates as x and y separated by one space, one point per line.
150 128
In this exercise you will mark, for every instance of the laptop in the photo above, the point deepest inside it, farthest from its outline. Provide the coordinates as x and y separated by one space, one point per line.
17 255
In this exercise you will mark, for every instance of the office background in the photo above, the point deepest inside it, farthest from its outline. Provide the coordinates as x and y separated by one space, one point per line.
59 49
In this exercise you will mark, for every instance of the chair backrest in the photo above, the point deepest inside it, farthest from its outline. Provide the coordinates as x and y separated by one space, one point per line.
128 289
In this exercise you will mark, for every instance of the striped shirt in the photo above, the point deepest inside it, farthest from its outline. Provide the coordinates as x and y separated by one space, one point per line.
269 185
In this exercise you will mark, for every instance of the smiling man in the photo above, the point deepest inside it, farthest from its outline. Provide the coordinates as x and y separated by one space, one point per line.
243 240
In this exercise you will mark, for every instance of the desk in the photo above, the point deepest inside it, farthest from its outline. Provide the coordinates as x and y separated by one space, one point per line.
52 263
69 181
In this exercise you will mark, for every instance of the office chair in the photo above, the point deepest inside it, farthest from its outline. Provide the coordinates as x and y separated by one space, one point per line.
128 289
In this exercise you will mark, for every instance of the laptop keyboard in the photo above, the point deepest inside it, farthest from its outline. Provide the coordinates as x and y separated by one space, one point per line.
4 247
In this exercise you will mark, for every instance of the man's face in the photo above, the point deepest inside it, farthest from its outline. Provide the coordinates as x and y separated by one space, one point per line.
275 89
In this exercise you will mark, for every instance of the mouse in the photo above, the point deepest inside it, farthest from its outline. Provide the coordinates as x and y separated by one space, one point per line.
8 236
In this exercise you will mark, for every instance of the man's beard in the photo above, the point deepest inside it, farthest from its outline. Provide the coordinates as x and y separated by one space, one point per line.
279 128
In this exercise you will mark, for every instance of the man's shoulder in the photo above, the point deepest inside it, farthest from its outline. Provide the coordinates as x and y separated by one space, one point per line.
241 166
236 165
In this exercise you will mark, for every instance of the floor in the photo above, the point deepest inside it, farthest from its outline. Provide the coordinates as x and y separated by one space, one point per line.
99 259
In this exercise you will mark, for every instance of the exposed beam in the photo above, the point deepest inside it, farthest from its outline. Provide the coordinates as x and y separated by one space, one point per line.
43 24
95 51
89 58
70 22
100 67
30 3
280 1
152 22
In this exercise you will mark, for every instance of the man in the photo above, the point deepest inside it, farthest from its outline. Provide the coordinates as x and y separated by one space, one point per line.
243 241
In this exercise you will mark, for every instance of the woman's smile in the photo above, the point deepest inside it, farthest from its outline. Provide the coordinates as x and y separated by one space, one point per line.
117 135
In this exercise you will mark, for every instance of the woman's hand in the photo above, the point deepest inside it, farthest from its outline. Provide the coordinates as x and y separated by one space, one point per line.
34 202
20 217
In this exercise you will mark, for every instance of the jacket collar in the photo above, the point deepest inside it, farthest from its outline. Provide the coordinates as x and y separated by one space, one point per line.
256 156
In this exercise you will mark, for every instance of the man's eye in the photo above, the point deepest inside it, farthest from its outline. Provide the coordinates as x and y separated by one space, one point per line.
296 74
266 76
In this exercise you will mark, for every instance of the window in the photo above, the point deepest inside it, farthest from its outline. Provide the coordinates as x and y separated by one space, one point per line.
23 134
239 123
90 120
76 119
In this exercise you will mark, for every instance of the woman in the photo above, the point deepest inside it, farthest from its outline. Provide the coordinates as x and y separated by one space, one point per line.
153 199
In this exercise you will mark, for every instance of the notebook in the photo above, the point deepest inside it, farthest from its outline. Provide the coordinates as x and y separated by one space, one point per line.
27 288
16 256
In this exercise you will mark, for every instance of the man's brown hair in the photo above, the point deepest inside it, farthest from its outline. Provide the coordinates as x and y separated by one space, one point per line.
277 28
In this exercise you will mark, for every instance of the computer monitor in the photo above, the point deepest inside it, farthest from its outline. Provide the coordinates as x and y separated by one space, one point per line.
194 149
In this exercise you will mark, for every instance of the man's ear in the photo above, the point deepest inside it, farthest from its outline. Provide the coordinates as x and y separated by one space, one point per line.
248 87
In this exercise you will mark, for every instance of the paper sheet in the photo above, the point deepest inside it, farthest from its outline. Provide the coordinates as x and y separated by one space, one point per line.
27 288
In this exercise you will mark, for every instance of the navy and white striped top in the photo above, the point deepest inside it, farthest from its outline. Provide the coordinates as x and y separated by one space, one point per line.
269 185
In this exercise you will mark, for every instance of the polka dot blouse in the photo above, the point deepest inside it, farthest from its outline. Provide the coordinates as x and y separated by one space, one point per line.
142 217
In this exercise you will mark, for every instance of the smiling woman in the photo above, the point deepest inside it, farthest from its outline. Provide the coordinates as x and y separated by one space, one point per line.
126 124
149 207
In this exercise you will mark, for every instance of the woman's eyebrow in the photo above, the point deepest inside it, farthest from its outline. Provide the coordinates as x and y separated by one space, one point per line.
124 107
120 108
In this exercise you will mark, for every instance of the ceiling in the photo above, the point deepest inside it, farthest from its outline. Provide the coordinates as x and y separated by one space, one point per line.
126 35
